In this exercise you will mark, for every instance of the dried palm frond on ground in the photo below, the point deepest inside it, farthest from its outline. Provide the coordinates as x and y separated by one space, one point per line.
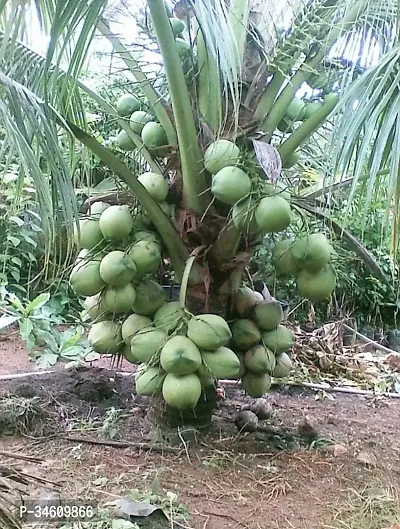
18 415
321 354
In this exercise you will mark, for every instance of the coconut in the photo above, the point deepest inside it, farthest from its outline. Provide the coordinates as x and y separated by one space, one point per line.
138 120
256 385
220 154
296 110
273 214
259 359
127 104
245 301
150 296
209 331
245 334
127 354
177 26
117 269
183 48
243 216
124 142
155 184
149 381
283 259
223 363
313 251
242 369
180 356
147 236
182 392
167 208
85 277
283 366
268 315
133 324
141 219
277 189
317 286
168 316
146 342
119 299
285 126
146 256
116 223
311 109
206 378
97 208
105 337
94 309
153 135
279 340
291 160
230 184
89 234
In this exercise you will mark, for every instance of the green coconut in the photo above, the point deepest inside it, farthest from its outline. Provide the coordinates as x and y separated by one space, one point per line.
147 236
273 214
127 104
116 223
97 208
124 142
285 126
256 385
180 356
279 340
105 337
259 359
313 251
311 109
153 135
317 286
283 259
296 110
89 234
133 324
117 269
242 369
150 296
149 381
85 277
209 331
245 301
146 256
117 300
183 48
127 354
220 154
283 366
230 184
141 219
276 189
94 308
268 315
245 334
182 392
243 216
138 120
223 363
168 316
155 184
206 378
177 26
146 342
292 159
167 208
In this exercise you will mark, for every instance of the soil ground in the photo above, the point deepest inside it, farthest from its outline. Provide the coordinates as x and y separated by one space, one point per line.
346 478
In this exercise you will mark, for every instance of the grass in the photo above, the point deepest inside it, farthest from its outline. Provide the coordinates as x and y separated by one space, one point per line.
371 508
19 415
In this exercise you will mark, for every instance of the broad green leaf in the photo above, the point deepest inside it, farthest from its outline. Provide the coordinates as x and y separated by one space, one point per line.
47 359
25 328
6 321
38 302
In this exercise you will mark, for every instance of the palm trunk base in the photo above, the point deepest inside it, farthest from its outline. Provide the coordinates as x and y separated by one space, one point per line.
180 426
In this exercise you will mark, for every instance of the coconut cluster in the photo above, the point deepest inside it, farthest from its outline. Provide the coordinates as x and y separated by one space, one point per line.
141 122
231 185
260 341
308 258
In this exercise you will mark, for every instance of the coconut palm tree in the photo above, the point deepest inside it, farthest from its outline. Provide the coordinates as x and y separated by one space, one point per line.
234 74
